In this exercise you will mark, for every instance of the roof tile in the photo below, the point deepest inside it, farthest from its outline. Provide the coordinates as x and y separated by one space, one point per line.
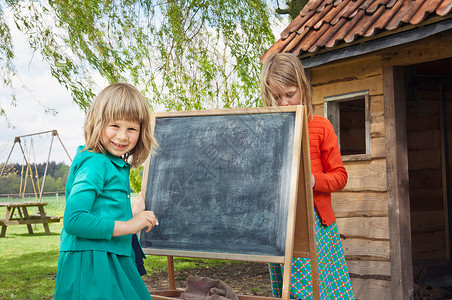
427 8
329 23
394 20
444 8
376 5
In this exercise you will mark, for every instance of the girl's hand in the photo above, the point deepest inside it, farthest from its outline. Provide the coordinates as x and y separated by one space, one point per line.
144 219
138 204
312 181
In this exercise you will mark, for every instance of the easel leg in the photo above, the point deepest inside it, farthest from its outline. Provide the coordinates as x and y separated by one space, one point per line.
315 277
286 281
171 276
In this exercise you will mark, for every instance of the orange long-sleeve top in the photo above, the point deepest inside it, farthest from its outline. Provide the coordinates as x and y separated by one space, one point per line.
326 166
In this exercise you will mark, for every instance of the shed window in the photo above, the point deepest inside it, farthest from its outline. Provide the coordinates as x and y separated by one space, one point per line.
349 114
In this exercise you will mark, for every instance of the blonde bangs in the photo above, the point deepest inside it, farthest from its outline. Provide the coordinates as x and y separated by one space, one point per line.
283 70
120 101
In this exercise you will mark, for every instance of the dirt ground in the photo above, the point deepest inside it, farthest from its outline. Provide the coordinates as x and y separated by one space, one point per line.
245 278
254 279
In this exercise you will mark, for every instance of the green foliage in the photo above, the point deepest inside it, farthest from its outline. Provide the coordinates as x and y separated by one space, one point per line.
183 55
293 8
15 177
135 179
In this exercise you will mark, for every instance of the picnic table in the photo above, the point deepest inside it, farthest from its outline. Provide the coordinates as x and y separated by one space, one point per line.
17 214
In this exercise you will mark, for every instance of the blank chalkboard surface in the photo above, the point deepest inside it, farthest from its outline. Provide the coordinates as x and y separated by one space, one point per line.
220 182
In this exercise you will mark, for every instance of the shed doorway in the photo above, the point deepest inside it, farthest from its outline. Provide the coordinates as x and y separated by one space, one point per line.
429 145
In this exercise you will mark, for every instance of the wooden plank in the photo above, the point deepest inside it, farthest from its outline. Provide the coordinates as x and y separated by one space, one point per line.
427 221
366 176
25 211
378 147
368 66
25 222
377 106
214 255
430 256
397 180
429 241
444 166
425 178
368 269
428 122
23 204
305 192
371 289
171 295
432 48
364 248
377 127
373 84
360 204
424 159
424 139
423 108
171 275
424 199
295 186
221 112
364 227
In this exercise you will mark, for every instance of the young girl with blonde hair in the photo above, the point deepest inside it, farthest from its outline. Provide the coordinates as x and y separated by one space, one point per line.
284 82
97 260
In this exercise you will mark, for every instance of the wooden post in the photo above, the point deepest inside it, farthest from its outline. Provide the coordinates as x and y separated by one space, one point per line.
398 184
171 275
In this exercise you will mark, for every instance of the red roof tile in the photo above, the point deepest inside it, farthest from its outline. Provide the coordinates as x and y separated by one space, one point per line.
324 24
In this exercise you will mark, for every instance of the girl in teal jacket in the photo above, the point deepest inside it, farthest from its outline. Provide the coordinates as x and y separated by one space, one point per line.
96 259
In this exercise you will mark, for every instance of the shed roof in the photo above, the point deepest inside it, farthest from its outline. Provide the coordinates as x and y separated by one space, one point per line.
326 25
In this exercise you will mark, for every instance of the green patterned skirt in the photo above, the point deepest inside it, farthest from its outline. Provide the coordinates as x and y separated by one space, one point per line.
334 279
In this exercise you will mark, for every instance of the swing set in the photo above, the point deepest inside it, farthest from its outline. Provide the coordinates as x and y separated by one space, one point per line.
31 170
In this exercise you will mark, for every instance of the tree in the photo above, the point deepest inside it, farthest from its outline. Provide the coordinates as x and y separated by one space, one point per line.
293 8
182 54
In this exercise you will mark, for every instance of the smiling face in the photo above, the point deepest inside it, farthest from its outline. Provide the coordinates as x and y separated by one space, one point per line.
286 96
120 137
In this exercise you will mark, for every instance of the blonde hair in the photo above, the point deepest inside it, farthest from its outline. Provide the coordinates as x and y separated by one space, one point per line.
285 70
119 101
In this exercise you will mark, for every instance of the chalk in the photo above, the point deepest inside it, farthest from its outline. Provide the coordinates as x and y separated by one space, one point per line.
157 223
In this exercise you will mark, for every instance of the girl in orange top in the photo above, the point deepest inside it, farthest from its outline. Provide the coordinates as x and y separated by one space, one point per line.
283 83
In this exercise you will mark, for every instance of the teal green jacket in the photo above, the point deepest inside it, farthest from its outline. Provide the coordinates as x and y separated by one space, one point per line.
97 195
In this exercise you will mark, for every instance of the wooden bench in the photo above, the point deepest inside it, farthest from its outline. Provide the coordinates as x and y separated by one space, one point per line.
22 217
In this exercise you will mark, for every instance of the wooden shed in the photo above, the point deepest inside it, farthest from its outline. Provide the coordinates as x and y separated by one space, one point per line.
381 71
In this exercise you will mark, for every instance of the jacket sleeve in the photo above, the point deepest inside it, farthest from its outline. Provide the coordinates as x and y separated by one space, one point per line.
334 176
88 184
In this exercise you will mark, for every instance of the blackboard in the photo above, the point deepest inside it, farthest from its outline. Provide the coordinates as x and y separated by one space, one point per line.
221 182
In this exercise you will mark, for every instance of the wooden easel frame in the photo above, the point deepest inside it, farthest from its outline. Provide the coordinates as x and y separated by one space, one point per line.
300 235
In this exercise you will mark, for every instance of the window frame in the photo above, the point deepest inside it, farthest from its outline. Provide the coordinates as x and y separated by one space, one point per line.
332 113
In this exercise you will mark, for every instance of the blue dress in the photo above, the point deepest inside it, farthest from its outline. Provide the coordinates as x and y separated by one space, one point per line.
93 264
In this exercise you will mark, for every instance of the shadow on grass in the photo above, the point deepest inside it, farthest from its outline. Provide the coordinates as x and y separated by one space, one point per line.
29 276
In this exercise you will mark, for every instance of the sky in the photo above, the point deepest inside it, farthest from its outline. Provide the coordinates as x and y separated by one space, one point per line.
29 116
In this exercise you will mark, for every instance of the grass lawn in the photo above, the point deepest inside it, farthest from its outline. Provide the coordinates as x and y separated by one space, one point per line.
29 261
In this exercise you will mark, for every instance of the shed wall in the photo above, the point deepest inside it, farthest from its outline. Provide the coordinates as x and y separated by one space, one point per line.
361 207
